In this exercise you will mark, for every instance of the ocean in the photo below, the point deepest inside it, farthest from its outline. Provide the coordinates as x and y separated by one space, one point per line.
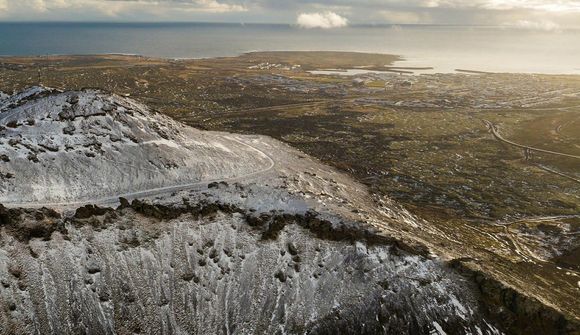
445 48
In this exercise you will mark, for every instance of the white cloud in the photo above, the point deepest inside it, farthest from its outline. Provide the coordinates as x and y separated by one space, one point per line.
46 5
404 17
325 20
538 25
39 5
314 13
107 8
114 8
213 6
542 5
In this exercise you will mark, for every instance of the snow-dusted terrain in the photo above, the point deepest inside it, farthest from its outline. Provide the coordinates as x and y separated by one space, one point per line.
88 145
236 235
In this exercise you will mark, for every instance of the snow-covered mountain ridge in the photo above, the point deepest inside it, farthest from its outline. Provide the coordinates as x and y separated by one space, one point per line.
215 233
89 145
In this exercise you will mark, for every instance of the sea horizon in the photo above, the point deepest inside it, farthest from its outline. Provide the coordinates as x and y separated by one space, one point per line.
490 48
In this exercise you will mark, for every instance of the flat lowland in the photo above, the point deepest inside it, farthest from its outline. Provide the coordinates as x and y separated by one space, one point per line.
440 145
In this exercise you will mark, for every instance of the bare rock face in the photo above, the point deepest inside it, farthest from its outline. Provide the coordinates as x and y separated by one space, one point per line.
235 235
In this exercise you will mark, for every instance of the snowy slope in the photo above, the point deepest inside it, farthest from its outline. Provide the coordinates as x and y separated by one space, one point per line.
60 147
237 234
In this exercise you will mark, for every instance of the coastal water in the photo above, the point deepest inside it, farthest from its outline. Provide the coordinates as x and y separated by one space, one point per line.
445 48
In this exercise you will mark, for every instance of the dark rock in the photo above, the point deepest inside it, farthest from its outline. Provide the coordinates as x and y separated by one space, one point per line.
73 100
213 254
50 147
69 130
124 203
88 211
257 221
281 275
33 158
93 267
188 276
14 270
25 224
275 226
292 249
7 175
66 115
104 296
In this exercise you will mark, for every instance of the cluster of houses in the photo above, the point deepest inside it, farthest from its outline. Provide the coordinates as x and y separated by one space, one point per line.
270 66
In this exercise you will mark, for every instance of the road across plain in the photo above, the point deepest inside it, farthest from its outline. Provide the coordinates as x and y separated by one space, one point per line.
497 135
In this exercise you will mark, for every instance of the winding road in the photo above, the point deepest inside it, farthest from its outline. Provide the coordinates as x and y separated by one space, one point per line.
498 136
111 200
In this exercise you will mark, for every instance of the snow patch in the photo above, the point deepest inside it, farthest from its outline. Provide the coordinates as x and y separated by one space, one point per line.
438 328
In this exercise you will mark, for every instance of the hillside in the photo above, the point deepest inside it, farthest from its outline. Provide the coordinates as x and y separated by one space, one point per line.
119 220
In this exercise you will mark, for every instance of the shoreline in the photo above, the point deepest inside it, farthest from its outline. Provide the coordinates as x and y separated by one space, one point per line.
397 65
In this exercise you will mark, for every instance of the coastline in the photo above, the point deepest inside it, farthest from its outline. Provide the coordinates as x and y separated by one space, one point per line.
420 46
399 65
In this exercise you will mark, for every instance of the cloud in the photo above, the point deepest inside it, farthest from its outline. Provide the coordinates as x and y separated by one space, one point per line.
46 5
324 20
404 17
204 6
114 8
213 6
314 13
543 5
538 25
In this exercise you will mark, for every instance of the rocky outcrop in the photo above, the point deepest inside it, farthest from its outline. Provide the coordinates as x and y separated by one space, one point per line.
25 224
519 314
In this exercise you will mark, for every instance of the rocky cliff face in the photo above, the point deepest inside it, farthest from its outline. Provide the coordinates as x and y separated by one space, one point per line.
237 234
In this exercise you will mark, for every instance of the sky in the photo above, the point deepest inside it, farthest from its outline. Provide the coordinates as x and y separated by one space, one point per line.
323 14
